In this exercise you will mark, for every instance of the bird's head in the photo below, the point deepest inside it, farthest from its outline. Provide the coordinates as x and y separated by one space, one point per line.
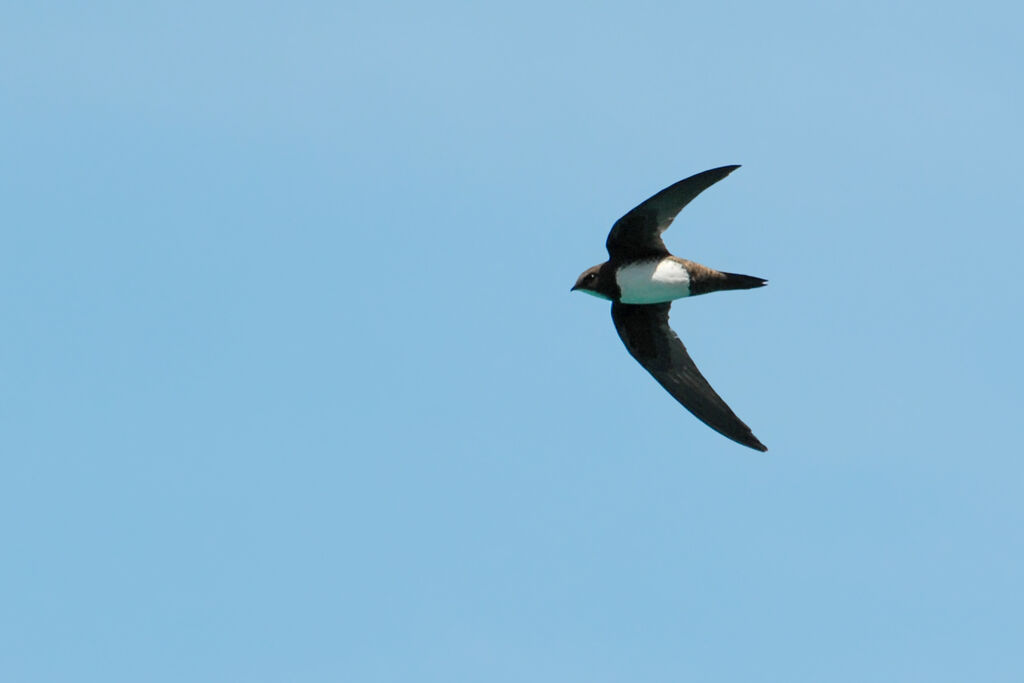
598 281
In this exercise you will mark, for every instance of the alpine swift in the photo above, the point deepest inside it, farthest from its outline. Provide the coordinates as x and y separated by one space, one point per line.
641 279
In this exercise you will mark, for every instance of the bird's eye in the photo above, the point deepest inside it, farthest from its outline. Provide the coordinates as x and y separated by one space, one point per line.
590 277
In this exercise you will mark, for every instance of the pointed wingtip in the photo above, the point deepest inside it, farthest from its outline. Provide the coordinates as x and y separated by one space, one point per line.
722 171
752 441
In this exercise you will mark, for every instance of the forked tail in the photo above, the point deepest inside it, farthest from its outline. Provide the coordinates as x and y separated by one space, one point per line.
737 281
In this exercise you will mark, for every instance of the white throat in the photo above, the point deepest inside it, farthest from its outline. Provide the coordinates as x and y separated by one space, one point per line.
653 282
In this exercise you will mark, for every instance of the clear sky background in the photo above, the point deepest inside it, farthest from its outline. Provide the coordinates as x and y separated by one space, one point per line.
293 387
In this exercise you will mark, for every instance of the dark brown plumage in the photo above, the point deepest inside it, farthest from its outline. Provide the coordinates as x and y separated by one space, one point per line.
640 264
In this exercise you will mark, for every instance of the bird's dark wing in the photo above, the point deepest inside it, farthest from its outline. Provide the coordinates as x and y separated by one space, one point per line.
638 233
645 332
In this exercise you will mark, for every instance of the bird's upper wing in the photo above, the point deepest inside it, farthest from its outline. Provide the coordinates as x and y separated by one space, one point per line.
638 233
645 332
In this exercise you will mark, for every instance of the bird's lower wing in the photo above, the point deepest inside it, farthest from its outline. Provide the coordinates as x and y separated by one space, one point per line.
645 332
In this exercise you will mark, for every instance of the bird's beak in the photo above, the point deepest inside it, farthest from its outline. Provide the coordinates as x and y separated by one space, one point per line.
573 288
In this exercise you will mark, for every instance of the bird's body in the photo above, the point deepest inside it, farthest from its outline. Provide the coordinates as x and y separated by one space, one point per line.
641 279
653 281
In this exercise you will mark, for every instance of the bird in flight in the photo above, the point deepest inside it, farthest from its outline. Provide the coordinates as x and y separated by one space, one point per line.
641 279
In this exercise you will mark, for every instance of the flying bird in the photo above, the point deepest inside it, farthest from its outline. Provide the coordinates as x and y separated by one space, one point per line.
641 279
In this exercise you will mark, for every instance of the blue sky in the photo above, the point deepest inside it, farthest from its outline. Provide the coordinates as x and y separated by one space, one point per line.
293 387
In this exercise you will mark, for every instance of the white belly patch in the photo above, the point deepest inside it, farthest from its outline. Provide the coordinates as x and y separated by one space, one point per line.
653 282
